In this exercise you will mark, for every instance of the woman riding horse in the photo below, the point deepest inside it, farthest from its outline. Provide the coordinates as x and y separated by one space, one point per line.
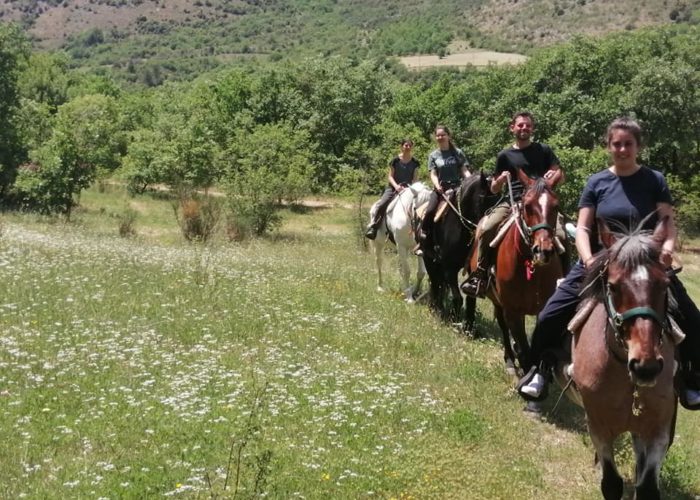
402 173
448 167
624 194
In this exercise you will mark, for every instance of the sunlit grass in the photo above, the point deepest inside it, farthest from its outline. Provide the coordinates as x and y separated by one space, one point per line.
147 366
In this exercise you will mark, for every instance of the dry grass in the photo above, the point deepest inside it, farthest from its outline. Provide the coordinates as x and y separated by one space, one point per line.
478 58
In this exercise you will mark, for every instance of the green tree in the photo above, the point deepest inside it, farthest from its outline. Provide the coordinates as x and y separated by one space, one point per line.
13 54
45 80
267 165
85 142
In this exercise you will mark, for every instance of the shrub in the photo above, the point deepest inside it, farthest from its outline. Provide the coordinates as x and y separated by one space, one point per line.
197 218
126 223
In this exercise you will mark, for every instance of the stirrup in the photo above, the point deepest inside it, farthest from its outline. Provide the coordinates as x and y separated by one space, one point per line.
371 233
476 284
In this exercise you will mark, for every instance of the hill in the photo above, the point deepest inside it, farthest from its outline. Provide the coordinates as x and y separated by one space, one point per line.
180 37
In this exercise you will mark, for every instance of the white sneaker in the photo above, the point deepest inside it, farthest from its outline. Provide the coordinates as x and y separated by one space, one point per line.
534 388
692 396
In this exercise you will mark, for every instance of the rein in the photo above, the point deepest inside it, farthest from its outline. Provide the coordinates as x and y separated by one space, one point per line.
458 211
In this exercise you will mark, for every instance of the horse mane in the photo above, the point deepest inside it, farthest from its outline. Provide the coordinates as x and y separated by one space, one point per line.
421 192
631 250
539 187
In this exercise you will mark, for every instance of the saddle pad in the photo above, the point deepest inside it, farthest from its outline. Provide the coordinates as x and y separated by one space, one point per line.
584 310
393 203
420 210
442 206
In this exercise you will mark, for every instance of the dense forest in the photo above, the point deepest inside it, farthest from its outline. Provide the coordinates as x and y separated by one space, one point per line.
270 133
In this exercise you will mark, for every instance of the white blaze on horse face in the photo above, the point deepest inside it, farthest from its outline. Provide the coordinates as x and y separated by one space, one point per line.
640 275
543 205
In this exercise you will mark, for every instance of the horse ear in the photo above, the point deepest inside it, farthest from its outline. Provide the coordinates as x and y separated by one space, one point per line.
524 178
661 230
607 238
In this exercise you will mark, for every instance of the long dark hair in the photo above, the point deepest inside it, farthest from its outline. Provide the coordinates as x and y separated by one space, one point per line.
449 135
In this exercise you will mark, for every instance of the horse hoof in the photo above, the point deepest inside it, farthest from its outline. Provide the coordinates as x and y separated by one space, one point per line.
533 409
380 289
410 300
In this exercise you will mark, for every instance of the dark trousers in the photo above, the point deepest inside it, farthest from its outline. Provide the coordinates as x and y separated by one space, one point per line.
382 204
553 320
687 316
556 314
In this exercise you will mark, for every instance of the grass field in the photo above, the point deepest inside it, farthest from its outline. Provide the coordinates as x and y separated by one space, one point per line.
148 367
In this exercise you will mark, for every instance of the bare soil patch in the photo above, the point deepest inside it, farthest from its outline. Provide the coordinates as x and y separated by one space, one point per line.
473 57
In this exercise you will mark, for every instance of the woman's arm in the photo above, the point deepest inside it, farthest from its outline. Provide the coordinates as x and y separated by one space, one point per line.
584 226
666 210
435 179
392 182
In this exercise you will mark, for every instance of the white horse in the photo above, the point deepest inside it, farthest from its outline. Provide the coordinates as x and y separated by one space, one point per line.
398 221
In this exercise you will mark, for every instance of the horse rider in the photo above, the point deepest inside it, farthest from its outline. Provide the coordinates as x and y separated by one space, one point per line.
402 173
447 166
626 194
536 160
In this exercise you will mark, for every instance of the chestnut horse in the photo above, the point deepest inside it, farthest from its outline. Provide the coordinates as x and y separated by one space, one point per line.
623 364
527 266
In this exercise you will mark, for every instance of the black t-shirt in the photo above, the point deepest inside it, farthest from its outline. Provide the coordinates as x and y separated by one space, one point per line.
534 160
404 172
623 202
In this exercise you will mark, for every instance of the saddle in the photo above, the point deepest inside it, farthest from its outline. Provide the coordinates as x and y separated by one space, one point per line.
443 204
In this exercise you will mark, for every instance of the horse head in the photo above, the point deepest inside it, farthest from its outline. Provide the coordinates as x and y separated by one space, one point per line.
475 196
420 192
635 297
540 207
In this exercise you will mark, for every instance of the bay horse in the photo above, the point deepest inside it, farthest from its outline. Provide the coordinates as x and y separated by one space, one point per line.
623 364
398 223
527 266
450 243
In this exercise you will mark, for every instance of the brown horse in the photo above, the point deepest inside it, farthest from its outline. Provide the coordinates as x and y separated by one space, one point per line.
527 266
622 364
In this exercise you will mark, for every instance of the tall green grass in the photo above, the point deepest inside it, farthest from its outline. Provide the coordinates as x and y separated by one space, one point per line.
146 367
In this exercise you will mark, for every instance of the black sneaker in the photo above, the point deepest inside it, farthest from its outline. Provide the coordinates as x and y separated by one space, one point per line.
371 233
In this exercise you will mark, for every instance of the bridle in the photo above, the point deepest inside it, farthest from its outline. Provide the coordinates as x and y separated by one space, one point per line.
617 320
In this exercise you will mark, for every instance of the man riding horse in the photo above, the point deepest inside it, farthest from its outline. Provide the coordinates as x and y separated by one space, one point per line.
536 160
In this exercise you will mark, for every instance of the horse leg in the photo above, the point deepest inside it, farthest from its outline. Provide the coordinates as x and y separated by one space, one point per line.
516 326
405 272
611 484
457 300
378 253
508 354
649 459
469 317
420 274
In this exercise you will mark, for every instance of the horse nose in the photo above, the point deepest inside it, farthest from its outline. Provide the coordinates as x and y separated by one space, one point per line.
541 255
645 371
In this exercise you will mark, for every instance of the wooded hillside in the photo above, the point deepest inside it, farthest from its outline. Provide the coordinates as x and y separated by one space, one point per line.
149 40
